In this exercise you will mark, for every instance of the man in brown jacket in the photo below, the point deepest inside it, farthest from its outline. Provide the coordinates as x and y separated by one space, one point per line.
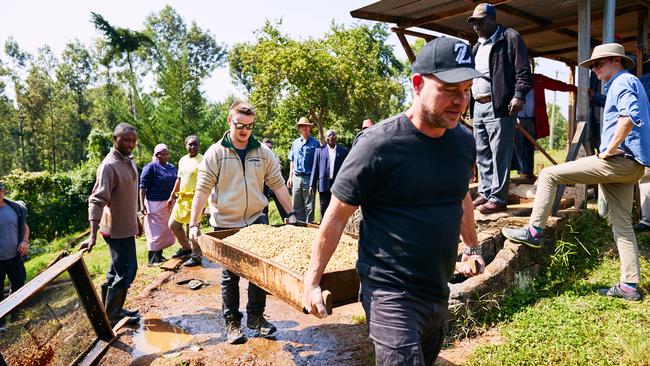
112 209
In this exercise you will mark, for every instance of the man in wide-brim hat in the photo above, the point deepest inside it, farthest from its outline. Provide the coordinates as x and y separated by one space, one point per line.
301 162
624 153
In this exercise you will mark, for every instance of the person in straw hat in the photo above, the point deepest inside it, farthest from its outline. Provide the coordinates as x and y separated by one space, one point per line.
624 153
301 158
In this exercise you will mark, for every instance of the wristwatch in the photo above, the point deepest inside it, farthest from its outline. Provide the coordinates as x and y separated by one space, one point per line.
191 226
475 250
292 213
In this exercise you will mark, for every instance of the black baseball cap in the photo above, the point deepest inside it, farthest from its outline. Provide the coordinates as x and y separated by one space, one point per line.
448 59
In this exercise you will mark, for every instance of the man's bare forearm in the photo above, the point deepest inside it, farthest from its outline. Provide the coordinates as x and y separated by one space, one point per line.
198 203
282 194
623 128
327 239
467 223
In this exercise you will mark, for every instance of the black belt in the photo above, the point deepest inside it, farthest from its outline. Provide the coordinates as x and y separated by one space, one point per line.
483 100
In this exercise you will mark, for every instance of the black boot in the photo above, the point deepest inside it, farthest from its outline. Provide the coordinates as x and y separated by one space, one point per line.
151 255
115 298
124 312
256 322
234 333
160 257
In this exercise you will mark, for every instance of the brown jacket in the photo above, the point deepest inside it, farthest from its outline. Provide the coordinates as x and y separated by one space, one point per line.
116 188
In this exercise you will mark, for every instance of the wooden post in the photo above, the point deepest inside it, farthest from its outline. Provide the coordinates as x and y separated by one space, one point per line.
572 105
405 44
90 301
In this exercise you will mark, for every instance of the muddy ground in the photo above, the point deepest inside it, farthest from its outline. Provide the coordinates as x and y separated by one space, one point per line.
185 327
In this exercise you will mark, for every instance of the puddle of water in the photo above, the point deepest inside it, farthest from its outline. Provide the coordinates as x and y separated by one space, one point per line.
157 336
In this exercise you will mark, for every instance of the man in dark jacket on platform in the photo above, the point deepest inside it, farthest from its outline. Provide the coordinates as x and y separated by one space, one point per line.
501 55
327 162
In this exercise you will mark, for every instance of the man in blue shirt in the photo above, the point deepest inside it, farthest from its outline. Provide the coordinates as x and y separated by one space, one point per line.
301 157
624 154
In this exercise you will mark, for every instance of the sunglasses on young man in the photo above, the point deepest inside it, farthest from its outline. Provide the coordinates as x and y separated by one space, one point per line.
241 126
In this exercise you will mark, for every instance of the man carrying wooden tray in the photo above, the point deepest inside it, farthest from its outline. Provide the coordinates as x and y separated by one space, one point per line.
232 175
410 174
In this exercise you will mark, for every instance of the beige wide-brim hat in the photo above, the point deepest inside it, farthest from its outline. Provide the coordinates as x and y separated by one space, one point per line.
609 50
303 121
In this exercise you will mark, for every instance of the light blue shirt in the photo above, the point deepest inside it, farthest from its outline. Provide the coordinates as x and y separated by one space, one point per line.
626 96
302 154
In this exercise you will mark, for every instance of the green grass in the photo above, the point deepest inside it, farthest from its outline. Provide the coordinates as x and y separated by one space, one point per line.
560 320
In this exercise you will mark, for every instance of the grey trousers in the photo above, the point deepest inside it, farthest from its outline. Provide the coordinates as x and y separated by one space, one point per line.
494 146
303 202
405 329
644 189
616 178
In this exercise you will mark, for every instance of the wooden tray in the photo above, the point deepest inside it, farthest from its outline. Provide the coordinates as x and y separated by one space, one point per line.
275 278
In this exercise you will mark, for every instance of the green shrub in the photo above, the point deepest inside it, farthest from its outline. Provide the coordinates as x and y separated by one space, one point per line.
57 203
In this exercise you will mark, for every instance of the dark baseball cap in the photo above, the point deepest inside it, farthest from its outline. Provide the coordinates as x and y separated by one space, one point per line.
448 59
481 11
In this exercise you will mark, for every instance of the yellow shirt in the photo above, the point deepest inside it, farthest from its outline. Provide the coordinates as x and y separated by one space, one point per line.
188 168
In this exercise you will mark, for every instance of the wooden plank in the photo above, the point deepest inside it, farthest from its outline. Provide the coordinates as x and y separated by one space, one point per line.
37 283
90 300
427 37
275 278
405 45
92 354
574 150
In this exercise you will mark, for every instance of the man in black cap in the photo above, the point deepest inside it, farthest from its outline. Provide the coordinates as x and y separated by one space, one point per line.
410 175
501 56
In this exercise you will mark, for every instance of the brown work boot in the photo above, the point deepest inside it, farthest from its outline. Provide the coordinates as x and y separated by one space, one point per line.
234 334
258 323
480 200
491 207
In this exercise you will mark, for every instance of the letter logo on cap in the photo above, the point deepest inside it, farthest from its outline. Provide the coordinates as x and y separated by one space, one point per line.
462 56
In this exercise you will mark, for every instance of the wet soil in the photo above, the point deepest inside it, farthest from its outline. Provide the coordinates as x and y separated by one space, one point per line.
184 326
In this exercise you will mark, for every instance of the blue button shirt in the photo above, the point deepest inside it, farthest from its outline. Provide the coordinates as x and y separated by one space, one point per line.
302 154
626 96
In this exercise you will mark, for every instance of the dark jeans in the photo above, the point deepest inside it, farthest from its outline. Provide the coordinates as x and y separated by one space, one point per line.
405 329
230 290
524 149
324 198
281 210
15 270
124 263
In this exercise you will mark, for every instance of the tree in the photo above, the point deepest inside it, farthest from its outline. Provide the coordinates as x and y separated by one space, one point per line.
19 60
337 81
560 132
123 42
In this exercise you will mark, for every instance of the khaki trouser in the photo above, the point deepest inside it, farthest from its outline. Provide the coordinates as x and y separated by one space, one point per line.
644 189
616 177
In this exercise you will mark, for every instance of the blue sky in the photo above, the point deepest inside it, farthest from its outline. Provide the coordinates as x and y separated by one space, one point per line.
36 23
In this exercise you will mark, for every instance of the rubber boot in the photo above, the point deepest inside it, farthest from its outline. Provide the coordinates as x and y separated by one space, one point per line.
115 298
125 312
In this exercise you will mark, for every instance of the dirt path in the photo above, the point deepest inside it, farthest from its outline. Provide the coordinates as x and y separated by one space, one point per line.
186 327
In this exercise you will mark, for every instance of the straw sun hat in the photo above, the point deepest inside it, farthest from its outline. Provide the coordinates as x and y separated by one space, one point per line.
609 50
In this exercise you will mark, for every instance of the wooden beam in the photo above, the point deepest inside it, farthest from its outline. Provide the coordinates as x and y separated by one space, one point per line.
645 3
444 14
574 21
359 14
468 36
90 301
406 45
538 20
427 37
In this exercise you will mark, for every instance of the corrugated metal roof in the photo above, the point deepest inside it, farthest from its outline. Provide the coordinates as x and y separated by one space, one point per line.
549 27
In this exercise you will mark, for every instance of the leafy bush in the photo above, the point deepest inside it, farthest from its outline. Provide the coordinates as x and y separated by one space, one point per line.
57 203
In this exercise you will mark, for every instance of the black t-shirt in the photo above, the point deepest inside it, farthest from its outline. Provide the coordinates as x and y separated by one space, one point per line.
410 188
